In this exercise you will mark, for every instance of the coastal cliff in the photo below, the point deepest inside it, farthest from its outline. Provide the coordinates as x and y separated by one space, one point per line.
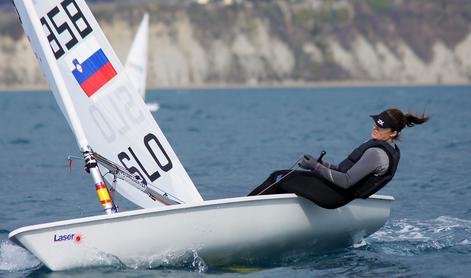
250 43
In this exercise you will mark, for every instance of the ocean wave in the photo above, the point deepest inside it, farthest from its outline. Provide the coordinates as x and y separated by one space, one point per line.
20 141
38 126
457 143
465 242
411 237
13 258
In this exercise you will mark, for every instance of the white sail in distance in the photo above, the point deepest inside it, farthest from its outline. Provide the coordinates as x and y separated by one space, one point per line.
136 62
99 102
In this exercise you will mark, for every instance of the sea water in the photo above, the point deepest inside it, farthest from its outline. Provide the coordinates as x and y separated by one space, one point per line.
229 140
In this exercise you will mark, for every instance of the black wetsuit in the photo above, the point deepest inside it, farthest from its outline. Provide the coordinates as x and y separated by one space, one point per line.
366 170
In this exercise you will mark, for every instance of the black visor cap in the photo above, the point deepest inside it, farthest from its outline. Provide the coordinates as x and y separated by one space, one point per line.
383 120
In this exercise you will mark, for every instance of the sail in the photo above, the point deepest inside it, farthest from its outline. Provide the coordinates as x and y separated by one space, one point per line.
96 97
136 62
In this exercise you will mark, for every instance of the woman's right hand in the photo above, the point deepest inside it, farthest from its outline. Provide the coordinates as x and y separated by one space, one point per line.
309 162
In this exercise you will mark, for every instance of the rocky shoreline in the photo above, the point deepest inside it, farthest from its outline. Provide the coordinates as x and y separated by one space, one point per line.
276 43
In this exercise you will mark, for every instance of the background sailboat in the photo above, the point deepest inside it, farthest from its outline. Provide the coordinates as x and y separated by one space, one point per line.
136 62
114 130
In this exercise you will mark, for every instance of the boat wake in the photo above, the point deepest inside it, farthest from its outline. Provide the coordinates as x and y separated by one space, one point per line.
13 258
406 237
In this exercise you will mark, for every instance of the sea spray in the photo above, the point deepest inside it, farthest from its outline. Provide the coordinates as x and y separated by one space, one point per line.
169 259
15 258
408 237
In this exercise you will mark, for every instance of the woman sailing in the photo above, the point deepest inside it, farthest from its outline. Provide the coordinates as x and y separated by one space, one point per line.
365 171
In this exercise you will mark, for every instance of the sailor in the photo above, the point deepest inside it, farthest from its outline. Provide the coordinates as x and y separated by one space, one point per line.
365 171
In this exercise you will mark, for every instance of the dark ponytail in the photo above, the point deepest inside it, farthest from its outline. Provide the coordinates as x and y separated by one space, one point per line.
412 119
401 120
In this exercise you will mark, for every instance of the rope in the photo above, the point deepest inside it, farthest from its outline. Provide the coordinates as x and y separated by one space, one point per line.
292 168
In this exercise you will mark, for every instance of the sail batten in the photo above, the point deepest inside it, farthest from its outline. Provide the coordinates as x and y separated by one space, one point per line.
98 100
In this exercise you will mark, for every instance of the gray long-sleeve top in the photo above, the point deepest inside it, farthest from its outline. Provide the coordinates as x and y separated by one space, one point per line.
373 160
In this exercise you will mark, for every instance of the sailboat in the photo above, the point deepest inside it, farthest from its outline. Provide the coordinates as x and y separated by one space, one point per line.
124 150
136 62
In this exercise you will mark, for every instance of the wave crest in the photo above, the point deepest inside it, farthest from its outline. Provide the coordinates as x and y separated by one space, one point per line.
14 258
410 237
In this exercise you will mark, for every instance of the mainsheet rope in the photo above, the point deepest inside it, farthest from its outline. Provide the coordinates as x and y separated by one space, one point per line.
293 168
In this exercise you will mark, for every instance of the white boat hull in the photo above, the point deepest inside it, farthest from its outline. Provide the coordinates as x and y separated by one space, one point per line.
220 231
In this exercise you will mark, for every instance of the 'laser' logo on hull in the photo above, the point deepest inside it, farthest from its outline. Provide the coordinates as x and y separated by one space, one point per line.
67 237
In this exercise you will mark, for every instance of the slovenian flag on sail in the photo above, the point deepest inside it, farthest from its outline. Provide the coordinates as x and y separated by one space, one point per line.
93 72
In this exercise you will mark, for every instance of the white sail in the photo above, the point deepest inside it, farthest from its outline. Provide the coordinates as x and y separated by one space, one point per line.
136 62
96 97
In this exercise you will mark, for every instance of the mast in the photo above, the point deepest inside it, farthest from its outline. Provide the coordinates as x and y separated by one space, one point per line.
85 149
